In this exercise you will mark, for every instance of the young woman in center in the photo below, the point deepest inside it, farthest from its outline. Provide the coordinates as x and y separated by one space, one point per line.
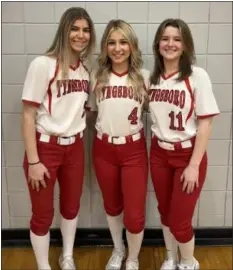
182 107
119 150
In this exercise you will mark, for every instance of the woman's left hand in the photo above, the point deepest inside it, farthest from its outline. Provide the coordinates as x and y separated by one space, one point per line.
189 178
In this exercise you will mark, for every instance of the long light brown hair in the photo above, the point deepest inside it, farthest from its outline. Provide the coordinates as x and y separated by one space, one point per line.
135 77
186 59
61 49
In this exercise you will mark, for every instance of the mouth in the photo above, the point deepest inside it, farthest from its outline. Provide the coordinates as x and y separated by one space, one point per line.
118 56
79 43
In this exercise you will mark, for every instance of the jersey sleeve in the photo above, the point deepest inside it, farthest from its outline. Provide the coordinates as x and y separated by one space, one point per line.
36 82
91 103
205 102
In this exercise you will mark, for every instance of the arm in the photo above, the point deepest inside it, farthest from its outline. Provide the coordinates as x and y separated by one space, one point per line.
37 171
204 127
29 132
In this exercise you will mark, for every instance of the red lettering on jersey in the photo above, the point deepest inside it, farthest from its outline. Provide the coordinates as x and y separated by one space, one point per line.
125 92
130 92
114 91
64 87
176 98
71 86
165 99
152 94
170 96
108 89
182 99
120 91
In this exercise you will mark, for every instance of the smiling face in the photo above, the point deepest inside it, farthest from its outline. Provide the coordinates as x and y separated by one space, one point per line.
170 44
79 35
118 48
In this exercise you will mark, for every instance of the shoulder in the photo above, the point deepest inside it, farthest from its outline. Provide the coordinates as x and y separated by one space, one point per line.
198 73
42 64
43 61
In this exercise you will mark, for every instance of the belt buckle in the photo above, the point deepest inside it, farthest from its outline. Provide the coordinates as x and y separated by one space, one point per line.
63 141
114 137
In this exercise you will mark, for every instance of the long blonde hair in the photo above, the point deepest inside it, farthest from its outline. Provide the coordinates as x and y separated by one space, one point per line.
135 77
60 48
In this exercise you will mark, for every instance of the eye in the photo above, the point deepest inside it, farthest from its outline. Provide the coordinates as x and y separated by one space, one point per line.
86 30
123 42
111 42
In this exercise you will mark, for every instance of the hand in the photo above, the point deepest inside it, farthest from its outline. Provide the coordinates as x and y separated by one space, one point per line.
36 175
190 178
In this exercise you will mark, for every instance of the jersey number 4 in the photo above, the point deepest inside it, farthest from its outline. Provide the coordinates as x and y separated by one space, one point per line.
172 121
133 116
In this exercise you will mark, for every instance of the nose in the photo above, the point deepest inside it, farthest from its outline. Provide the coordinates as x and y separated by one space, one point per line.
80 34
117 47
170 42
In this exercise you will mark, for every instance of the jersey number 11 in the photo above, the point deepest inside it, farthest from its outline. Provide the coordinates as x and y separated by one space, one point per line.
172 121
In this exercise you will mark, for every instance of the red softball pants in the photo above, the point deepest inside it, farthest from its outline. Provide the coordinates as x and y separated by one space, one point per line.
175 206
66 164
122 174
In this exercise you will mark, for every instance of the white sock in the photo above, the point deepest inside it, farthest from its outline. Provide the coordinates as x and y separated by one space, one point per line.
134 245
40 246
116 227
187 251
170 242
68 231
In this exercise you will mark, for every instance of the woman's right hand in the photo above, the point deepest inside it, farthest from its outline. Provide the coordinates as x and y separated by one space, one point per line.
36 175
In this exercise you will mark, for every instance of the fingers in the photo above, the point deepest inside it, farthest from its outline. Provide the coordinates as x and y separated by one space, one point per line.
182 177
184 185
47 174
43 183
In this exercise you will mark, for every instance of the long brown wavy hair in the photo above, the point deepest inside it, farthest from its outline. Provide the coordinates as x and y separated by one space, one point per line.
135 77
61 49
186 59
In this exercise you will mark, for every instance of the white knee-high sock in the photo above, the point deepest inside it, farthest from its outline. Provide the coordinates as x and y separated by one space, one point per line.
68 231
134 244
171 243
187 251
116 227
40 246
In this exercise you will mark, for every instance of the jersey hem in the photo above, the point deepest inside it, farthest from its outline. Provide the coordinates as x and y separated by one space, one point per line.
206 116
31 102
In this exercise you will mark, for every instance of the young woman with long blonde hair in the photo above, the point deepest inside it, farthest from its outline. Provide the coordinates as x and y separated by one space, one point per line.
119 151
55 93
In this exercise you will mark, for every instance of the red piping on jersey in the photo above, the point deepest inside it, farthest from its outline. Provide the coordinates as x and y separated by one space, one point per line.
75 67
169 76
192 98
31 102
49 88
120 74
206 116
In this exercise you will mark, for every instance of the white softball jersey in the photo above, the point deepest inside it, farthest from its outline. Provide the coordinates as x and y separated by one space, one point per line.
175 105
119 111
61 104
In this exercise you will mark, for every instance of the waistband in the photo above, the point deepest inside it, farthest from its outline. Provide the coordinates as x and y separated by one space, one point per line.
57 139
175 146
120 139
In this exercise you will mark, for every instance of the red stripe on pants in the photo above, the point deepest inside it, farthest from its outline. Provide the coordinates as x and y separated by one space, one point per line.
122 173
66 164
176 207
